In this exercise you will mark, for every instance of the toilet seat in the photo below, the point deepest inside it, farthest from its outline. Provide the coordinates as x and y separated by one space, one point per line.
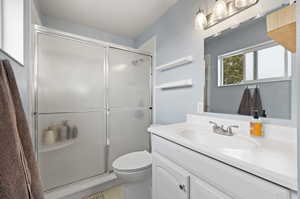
133 162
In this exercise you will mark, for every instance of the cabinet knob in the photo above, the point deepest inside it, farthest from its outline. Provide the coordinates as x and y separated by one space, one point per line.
182 187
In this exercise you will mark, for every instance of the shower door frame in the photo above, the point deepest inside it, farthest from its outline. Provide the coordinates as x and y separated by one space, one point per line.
33 85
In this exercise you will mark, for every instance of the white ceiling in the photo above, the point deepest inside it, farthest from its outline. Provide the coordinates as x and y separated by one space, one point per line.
121 17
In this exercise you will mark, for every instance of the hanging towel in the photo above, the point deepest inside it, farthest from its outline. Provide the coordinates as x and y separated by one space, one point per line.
246 103
19 175
256 103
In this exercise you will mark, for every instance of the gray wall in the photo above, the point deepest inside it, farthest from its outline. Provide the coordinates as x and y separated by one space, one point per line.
86 31
21 78
276 96
176 38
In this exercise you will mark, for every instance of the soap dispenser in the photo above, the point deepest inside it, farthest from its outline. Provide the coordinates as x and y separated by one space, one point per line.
256 125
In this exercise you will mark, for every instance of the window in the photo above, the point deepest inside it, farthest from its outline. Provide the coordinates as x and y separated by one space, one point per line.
265 62
271 62
11 28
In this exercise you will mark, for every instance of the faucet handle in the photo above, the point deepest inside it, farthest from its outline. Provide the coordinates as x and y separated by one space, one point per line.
213 123
229 128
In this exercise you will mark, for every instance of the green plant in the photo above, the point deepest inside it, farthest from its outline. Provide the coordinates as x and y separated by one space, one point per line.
233 69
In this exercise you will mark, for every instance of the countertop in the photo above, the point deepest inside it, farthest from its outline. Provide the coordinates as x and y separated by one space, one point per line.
273 160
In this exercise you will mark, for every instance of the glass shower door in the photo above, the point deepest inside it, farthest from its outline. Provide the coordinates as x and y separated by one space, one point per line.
129 102
71 109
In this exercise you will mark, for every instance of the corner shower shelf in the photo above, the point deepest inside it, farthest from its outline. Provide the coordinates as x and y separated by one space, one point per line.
176 84
176 63
56 146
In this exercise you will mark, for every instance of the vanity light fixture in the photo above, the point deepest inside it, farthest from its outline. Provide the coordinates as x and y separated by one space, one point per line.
222 10
241 3
200 20
231 8
250 2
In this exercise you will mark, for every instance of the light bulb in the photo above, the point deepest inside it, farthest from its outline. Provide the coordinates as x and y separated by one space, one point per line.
241 3
220 9
231 8
200 20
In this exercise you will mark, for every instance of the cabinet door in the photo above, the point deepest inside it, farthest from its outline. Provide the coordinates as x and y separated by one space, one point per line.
202 190
169 180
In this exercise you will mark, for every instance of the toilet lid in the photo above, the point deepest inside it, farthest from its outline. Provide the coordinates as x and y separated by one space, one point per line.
133 161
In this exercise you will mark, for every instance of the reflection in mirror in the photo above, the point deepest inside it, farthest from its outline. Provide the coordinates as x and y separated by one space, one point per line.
246 59
264 62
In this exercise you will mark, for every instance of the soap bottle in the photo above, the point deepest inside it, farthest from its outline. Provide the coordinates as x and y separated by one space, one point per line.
256 125
264 114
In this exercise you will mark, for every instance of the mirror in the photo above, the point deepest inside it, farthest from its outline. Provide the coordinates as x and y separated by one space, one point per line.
247 72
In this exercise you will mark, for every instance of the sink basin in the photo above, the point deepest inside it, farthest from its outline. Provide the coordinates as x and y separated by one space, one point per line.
210 139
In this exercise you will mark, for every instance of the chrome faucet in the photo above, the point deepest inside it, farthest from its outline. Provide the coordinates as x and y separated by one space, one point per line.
221 130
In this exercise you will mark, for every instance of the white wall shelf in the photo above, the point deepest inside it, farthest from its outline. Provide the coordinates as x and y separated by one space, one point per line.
57 146
176 63
176 84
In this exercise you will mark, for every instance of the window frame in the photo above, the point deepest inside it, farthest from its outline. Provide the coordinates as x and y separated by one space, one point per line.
253 49
12 36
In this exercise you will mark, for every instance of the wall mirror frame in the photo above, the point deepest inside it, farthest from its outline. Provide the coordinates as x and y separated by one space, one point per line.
286 74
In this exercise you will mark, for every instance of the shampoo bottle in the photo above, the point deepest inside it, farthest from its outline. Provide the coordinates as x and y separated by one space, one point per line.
256 126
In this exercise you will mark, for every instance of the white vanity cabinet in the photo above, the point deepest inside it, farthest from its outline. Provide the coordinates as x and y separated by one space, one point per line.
170 181
201 189
180 173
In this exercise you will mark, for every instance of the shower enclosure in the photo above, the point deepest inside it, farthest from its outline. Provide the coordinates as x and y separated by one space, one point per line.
92 104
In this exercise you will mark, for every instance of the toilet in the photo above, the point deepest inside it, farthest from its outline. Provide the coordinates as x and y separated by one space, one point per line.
134 170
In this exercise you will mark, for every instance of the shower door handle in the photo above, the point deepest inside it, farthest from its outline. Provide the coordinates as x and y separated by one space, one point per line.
182 187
